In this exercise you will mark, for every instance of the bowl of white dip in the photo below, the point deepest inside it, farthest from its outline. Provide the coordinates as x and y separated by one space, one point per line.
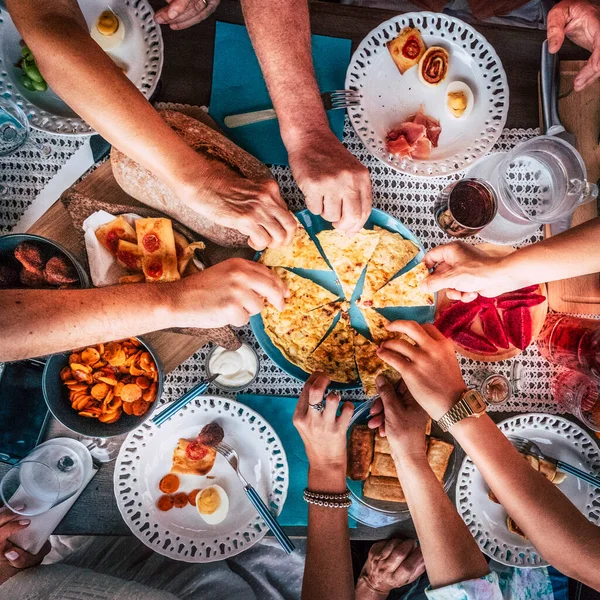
237 368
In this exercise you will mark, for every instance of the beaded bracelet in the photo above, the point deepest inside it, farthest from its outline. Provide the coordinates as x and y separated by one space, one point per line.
328 500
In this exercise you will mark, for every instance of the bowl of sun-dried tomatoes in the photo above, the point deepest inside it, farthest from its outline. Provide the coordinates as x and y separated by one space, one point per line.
105 389
32 261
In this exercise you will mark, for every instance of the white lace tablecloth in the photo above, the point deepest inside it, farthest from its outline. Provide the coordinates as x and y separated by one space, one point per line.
25 173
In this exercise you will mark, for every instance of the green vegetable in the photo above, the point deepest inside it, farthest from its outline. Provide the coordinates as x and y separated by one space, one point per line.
40 86
33 73
26 52
27 83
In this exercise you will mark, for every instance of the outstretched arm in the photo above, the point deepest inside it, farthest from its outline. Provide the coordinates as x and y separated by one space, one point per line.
328 569
451 554
38 322
85 77
466 271
336 185
563 536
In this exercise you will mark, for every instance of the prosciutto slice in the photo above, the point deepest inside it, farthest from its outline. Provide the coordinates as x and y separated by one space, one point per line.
415 137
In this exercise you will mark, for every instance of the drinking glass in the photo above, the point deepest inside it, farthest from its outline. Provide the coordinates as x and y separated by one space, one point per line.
495 388
465 207
14 127
578 394
50 474
571 342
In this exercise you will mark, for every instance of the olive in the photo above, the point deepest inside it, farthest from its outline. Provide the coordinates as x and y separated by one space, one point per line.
33 72
27 83
40 86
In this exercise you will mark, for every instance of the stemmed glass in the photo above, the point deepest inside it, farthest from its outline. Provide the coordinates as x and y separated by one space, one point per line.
14 127
49 475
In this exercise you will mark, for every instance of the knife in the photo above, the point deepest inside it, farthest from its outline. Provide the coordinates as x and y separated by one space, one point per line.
94 148
551 124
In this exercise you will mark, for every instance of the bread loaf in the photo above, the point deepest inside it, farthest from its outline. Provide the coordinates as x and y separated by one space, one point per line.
142 185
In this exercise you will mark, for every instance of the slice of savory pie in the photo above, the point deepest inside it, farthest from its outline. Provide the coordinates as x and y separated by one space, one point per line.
188 462
403 291
302 253
296 335
348 255
370 365
305 295
335 355
391 254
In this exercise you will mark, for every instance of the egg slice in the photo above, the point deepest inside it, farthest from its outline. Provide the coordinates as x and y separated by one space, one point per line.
213 504
108 30
459 100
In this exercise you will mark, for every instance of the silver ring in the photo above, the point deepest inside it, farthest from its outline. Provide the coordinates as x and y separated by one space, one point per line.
319 406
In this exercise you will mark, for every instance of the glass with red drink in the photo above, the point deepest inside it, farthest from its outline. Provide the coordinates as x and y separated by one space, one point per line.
578 394
571 342
465 207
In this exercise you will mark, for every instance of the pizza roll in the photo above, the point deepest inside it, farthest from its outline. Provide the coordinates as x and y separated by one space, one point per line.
387 489
360 452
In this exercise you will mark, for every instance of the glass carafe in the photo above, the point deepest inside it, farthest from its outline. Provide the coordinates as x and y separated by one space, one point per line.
543 180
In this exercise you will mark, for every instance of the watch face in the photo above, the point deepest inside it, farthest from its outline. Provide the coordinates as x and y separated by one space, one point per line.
475 401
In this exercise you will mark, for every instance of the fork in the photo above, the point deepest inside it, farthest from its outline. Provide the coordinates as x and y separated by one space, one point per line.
231 456
525 446
331 101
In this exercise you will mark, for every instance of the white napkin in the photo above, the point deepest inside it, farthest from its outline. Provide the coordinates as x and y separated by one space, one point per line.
33 537
104 268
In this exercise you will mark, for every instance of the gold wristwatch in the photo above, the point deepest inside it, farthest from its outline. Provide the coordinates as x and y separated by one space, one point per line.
470 404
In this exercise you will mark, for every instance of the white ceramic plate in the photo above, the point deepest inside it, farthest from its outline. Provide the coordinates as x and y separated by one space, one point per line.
181 533
559 438
141 52
388 98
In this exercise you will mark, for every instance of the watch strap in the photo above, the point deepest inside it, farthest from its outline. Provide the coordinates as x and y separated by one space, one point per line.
461 410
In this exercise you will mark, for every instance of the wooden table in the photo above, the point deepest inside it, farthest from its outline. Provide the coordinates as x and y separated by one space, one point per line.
186 78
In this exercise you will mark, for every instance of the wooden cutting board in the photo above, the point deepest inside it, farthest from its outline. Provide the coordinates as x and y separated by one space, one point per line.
580 114
172 348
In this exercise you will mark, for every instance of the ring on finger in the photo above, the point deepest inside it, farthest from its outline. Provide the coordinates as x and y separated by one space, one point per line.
319 406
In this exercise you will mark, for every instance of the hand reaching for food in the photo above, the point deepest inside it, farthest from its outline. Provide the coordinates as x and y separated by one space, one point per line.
181 14
429 368
227 294
465 272
13 558
400 419
579 20
254 208
390 564
322 431
334 182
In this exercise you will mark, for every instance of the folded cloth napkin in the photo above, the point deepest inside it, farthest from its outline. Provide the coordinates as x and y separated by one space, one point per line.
33 537
238 87
280 411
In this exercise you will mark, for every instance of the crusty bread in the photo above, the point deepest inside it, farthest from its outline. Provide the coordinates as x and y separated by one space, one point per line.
142 185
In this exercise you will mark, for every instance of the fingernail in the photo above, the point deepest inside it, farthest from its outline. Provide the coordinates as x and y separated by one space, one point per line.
18 508
381 381
12 555
158 19
24 522
173 14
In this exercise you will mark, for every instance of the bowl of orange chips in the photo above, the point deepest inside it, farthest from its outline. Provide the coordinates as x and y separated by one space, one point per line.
104 390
